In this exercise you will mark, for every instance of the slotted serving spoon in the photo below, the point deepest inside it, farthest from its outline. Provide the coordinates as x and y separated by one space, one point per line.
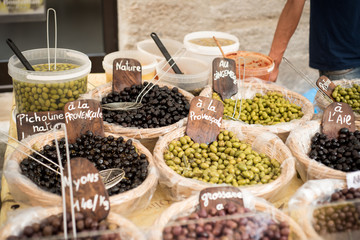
110 177
126 106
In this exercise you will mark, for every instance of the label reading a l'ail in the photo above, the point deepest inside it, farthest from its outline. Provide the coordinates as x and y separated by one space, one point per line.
353 179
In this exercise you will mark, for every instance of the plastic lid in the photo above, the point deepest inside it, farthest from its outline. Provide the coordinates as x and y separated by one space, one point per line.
204 50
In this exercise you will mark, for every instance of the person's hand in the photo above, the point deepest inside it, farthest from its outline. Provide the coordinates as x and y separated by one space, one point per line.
274 74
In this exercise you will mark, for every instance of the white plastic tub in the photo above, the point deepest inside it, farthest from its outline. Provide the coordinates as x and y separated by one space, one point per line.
149 46
196 74
208 53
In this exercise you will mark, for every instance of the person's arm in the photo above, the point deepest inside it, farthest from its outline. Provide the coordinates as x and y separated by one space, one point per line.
287 24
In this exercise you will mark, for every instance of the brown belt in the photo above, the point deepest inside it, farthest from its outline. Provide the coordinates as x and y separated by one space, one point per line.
336 72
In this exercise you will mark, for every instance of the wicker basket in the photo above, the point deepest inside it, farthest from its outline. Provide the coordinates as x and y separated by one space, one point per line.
299 142
322 103
248 90
189 205
147 136
128 231
25 191
302 203
179 187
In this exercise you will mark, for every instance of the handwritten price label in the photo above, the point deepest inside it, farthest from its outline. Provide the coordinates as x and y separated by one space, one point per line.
28 124
336 116
126 72
81 116
224 77
353 179
90 195
326 85
218 197
204 120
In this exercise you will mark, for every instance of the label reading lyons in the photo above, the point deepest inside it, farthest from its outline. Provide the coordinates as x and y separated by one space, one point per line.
28 124
224 77
126 72
81 116
218 197
326 85
204 119
90 195
336 116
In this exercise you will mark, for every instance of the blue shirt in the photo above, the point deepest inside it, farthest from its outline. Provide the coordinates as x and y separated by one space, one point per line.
334 34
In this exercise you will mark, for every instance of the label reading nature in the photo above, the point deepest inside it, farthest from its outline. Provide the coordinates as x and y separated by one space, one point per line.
126 72
81 116
30 123
218 197
326 85
224 77
204 119
336 116
90 195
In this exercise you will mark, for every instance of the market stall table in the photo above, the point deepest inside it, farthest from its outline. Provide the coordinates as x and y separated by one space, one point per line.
142 218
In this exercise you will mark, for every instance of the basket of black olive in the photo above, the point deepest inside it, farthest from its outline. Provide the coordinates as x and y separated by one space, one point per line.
34 184
266 106
165 108
257 219
327 209
47 223
347 91
319 157
242 157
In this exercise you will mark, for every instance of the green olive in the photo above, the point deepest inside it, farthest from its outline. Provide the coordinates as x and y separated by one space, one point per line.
227 160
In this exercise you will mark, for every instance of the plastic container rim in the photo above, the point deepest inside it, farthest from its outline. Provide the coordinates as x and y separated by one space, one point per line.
184 77
210 51
108 66
50 76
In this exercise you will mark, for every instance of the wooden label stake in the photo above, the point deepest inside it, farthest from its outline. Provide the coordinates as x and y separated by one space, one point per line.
204 119
126 72
326 85
224 77
83 115
218 197
90 195
30 123
336 116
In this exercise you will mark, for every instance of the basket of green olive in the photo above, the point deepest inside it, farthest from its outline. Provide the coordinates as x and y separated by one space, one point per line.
266 106
33 184
327 209
52 84
165 108
347 91
241 156
47 223
257 219
319 157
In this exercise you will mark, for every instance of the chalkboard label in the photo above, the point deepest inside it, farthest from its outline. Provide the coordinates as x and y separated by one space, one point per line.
336 116
218 197
89 193
126 72
30 123
224 77
204 119
326 85
83 115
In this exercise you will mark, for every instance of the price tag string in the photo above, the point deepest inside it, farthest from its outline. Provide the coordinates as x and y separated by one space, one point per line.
307 79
